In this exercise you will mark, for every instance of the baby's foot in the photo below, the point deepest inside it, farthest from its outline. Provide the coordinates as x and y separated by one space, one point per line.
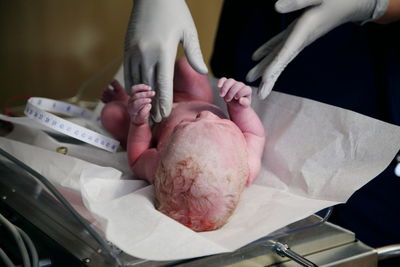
116 93
139 104
234 92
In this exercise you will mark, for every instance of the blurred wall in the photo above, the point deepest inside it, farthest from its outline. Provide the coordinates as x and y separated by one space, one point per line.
51 48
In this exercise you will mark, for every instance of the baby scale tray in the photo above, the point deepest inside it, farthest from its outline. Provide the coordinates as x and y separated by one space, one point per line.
23 193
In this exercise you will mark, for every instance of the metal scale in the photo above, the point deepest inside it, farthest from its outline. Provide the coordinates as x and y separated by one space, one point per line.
65 239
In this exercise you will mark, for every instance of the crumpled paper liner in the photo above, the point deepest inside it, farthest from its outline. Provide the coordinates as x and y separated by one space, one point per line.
315 156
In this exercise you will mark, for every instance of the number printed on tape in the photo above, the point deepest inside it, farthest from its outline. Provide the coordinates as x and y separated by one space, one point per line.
38 109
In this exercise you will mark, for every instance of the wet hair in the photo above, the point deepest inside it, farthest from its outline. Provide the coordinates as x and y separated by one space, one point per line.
200 176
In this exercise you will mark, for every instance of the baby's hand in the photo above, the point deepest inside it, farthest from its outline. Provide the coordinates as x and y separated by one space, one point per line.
234 92
139 104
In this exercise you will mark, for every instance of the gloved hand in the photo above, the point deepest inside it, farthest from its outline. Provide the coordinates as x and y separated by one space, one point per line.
155 29
319 17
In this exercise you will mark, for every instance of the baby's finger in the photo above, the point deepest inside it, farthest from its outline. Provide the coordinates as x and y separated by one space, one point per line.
221 82
233 91
135 106
244 101
245 91
145 94
226 87
139 88
144 112
139 103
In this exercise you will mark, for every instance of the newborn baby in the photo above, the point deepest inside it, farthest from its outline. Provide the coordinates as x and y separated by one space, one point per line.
198 160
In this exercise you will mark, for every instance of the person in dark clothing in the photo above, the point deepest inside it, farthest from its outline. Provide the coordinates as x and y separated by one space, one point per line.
356 67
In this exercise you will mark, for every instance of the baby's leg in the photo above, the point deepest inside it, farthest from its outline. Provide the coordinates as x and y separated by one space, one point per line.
190 85
114 116
115 119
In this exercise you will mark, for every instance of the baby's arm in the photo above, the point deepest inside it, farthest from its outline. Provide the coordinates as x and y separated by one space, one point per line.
142 158
238 98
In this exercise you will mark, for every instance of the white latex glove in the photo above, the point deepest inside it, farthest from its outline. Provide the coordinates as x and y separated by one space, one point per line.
319 17
155 29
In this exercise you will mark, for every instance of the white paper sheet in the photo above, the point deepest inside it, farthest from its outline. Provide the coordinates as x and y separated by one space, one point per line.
316 156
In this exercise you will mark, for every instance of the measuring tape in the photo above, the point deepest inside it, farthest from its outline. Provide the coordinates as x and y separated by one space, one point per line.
37 107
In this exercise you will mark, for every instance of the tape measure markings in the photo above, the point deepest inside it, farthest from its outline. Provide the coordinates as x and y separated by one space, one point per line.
36 109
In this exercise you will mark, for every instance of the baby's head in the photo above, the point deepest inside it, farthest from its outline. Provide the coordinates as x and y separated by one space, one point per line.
202 172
